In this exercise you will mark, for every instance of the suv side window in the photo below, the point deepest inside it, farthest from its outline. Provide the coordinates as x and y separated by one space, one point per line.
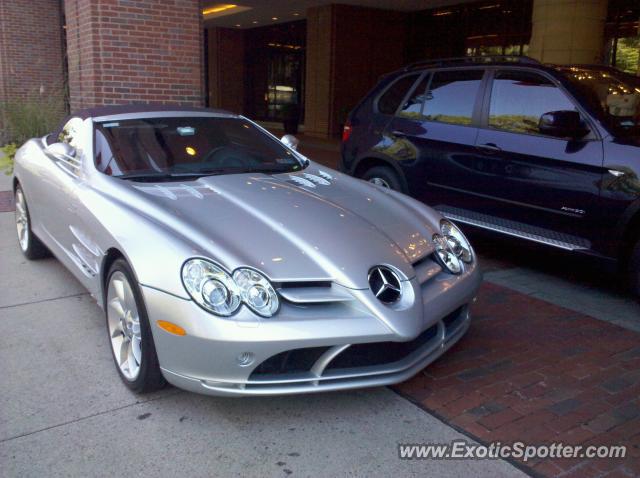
389 102
520 98
452 96
412 108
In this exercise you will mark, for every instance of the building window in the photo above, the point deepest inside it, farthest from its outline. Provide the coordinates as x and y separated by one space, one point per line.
622 33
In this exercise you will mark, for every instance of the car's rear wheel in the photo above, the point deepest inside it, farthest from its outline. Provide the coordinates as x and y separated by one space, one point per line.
132 345
383 176
30 245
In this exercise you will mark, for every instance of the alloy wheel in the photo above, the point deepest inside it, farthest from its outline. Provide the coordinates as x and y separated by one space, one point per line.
22 220
124 325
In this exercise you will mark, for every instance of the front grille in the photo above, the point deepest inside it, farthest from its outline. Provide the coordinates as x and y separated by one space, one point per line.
298 361
290 361
379 353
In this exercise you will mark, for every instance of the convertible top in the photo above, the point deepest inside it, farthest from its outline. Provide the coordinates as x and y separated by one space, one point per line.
114 110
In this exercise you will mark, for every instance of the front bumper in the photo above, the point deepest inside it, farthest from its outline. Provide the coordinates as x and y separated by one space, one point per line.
333 342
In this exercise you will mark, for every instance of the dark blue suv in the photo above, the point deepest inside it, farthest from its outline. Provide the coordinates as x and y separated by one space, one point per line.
545 153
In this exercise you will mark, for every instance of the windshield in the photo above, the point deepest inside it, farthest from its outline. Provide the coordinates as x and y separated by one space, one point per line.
178 147
614 93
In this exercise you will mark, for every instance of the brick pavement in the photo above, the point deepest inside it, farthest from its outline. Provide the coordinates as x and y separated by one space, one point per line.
531 371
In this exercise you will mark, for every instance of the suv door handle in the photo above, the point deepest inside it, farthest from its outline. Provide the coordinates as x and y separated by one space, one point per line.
490 148
398 133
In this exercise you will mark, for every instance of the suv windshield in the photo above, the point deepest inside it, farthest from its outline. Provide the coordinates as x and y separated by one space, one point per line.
179 147
615 94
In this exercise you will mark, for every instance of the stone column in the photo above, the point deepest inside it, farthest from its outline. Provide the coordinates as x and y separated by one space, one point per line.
568 31
226 69
348 49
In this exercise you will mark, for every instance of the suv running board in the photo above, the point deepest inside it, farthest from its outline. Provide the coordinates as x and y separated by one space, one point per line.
515 229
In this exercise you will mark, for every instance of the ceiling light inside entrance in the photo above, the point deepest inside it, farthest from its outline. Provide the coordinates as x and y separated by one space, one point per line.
222 9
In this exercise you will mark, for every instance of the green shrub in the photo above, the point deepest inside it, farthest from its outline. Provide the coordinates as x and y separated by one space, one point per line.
24 120
7 153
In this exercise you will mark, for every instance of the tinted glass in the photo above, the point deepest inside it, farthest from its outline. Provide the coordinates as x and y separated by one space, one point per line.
188 145
413 106
615 94
452 95
391 99
520 98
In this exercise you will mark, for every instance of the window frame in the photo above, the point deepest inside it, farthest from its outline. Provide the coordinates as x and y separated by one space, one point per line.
420 75
594 134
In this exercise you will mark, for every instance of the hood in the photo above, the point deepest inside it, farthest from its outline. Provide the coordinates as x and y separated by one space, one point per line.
313 225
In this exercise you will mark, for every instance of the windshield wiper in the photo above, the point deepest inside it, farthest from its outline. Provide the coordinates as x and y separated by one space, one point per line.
167 176
252 169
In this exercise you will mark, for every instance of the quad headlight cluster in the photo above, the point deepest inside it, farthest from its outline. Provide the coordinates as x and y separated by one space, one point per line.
222 293
452 247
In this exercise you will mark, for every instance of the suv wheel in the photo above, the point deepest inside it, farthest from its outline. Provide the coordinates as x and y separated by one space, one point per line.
383 176
634 269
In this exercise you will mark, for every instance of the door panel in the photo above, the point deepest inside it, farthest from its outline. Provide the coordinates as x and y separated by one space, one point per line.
549 182
535 179
434 134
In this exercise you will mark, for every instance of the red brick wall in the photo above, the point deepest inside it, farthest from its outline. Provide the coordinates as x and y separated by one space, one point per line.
143 51
31 62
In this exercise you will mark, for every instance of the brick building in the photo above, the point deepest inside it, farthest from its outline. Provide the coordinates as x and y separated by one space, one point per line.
310 60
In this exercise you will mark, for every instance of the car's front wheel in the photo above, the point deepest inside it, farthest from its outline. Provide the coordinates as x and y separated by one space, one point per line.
130 335
383 176
30 245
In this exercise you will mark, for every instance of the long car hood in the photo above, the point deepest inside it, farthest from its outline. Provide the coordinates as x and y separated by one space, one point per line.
317 224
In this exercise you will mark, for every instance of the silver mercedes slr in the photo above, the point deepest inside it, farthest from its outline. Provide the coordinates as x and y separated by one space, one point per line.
227 263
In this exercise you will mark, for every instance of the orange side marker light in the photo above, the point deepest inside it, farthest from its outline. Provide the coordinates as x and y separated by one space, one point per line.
171 327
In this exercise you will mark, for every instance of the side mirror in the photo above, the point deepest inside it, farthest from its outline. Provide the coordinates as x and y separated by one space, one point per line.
291 141
61 150
563 124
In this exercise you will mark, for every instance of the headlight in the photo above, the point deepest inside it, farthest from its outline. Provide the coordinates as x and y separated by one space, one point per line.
256 292
458 243
211 287
452 247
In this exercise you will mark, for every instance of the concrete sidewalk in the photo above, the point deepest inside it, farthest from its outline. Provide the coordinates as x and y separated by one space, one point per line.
65 412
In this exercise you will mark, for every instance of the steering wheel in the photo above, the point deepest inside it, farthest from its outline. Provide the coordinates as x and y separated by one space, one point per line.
224 157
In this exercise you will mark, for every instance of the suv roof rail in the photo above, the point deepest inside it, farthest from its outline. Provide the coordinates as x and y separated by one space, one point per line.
473 59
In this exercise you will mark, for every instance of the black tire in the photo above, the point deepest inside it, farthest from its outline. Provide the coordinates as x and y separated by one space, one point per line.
32 248
634 270
384 174
149 378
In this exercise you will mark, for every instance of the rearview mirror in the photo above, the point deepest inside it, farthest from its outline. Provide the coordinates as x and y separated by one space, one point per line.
61 150
563 124
291 141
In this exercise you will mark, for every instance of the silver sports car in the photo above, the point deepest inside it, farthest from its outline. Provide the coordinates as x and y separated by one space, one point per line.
227 263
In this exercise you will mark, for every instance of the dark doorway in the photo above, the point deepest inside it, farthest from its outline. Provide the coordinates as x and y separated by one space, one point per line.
275 70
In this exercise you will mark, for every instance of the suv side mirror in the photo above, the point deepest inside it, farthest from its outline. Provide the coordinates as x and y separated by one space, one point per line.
563 124
61 151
